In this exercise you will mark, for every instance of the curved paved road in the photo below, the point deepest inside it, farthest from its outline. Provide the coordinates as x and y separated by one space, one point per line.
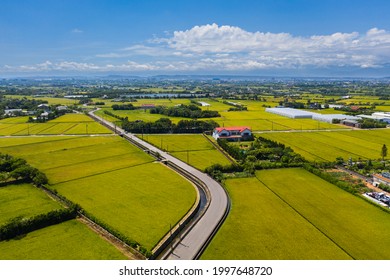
196 239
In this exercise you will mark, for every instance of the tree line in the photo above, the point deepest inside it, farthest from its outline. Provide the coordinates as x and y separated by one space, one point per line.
17 169
185 111
19 225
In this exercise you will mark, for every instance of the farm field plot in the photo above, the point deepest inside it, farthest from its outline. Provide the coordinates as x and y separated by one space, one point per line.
20 141
24 200
113 180
14 120
69 118
50 100
144 115
77 242
327 146
359 228
27 146
130 199
67 124
87 128
261 226
383 108
73 171
195 148
214 105
109 118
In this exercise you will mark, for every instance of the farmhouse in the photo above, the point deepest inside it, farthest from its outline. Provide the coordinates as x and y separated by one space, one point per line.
233 133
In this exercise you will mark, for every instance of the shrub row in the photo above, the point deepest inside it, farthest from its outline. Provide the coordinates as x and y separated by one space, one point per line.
123 107
113 115
20 226
233 150
236 107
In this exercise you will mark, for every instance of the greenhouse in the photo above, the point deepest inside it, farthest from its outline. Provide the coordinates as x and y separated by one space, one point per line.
330 117
290 113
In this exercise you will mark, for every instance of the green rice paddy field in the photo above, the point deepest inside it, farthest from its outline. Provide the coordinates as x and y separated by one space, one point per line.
66 124
23 200
111 179
327 146
194 148
50 100
293 214
69 240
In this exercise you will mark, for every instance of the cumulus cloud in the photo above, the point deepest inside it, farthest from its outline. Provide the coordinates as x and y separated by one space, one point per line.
231 48
353 49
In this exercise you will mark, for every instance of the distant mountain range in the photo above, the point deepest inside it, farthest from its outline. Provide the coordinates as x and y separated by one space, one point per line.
196 77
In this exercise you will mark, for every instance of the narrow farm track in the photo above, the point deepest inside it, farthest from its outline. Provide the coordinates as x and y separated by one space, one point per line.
191 240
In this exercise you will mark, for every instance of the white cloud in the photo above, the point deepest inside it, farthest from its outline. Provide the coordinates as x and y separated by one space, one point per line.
230 48
346 49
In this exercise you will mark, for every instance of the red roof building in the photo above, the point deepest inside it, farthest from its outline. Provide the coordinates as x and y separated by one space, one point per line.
234 133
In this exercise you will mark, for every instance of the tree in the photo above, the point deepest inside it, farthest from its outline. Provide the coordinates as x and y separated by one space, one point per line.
40 179
384 152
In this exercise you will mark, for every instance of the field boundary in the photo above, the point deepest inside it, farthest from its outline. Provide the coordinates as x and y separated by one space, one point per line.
115 241
220 149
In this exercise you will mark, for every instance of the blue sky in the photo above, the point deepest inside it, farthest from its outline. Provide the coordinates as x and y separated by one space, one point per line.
279 37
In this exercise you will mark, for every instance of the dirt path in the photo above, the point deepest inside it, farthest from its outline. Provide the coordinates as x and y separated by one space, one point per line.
125 249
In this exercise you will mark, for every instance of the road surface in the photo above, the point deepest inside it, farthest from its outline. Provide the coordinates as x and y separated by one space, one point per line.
191 243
